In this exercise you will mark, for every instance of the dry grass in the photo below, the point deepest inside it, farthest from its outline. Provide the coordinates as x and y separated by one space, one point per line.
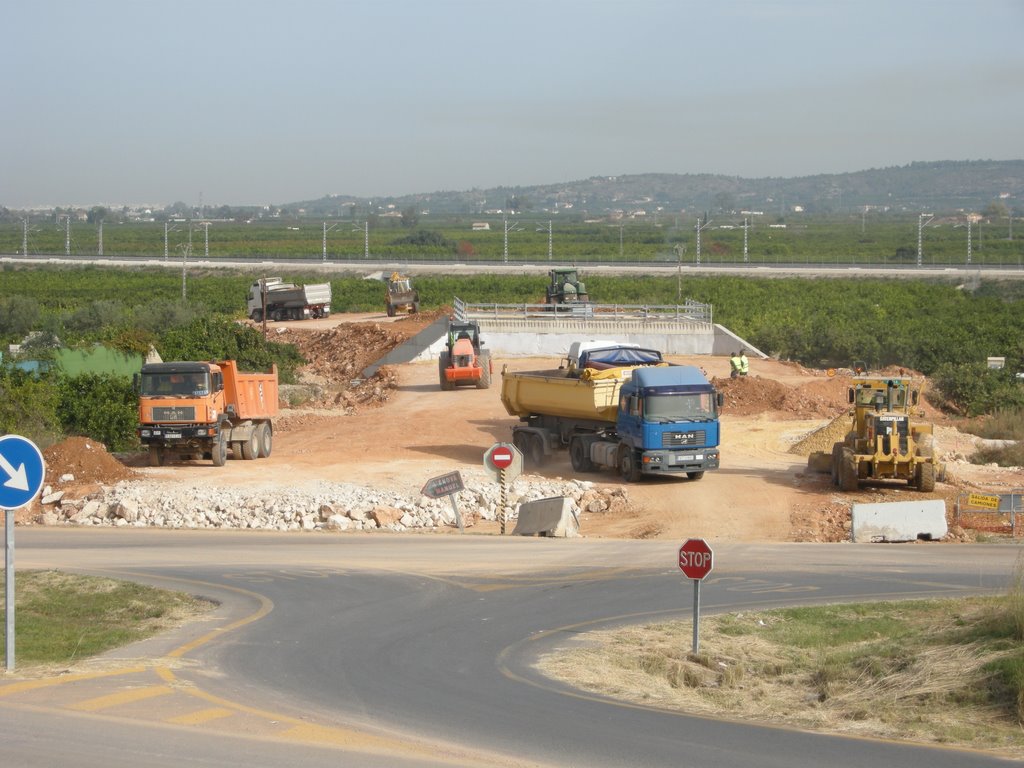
927 671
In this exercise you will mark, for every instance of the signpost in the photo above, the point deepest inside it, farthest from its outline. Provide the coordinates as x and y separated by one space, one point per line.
22 471
505 463
446 485
696 561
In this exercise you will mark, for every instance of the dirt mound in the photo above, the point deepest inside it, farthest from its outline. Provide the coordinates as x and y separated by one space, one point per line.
824 438
86 459
752 395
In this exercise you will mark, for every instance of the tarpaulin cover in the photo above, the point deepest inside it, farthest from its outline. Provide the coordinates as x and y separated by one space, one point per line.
616 357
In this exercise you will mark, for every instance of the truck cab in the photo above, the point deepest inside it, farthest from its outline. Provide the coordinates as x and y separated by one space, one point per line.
668 416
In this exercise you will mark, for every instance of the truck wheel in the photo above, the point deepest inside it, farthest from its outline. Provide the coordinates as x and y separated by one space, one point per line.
219 453
415 307
256 316
925 480
628 465
695 475
848 471
391 311
578 456
266 441
484 361
250 448
156 455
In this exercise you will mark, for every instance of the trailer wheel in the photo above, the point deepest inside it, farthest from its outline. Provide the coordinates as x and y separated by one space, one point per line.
250 448
266 441
628 467
156 455
219 452
535 450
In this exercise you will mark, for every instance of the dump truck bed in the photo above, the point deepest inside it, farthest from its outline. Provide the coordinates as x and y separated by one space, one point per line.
593 396
254 395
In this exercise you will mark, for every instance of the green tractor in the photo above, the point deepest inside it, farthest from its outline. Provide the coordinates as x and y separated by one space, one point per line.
565 287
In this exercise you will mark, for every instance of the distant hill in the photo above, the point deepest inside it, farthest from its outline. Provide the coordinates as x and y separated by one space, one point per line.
921 186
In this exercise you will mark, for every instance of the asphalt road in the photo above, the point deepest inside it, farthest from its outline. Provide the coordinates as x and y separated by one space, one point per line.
417 650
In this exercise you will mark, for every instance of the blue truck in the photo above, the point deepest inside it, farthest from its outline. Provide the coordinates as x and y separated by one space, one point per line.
644 417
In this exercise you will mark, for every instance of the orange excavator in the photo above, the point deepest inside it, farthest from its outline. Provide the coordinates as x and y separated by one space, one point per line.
462 361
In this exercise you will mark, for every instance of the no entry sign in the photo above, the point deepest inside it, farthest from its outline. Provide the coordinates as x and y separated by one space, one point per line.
503 457
696 559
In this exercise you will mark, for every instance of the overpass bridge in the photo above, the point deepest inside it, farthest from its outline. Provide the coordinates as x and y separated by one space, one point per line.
542 330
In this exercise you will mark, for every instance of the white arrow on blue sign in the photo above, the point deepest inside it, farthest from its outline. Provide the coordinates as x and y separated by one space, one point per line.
21 471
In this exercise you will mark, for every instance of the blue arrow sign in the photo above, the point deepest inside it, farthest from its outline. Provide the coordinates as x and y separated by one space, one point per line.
21 471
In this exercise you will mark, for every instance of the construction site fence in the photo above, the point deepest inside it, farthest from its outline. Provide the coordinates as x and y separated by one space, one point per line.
991 511
690 312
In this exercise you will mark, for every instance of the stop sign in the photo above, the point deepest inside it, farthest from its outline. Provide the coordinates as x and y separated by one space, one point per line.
695 559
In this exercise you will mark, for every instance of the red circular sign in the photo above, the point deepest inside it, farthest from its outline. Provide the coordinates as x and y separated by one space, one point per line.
501 457
696 559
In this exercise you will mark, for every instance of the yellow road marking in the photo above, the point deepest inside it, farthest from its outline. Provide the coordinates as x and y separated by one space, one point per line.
201 716
124 697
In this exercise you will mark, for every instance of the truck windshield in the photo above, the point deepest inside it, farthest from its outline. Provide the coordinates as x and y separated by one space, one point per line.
689 407
175 384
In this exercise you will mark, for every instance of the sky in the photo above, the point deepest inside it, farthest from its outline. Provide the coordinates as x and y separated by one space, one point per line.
251 102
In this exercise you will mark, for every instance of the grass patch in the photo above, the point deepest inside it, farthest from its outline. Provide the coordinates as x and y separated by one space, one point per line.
61 618
931 671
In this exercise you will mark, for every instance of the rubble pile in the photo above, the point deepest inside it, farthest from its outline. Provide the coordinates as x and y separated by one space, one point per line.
318 506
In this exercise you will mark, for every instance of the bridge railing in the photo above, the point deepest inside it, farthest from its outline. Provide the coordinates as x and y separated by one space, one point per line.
689 312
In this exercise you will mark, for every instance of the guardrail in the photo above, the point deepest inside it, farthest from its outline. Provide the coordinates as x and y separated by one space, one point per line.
690 312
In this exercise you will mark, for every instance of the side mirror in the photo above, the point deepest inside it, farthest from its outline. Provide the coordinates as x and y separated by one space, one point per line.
720 399
136 383
851 396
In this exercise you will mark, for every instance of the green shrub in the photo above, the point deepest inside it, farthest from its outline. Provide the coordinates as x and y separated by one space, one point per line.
102 407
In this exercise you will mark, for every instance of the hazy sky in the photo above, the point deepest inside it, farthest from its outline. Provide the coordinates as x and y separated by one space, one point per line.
256 102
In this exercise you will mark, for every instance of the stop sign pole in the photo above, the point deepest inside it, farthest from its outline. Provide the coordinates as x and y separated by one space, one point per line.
505 462
696 561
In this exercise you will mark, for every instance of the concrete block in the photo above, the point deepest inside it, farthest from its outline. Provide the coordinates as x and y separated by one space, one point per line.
547 517
900 521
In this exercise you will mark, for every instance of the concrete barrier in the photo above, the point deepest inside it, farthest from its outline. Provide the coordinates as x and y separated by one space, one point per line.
547 517
899 521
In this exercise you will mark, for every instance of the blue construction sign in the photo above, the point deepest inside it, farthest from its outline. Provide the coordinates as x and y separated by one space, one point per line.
21 471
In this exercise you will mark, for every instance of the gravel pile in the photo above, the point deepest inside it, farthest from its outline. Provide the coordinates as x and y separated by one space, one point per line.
311 507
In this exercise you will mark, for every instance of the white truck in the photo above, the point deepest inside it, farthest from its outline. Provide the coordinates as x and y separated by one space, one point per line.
274 299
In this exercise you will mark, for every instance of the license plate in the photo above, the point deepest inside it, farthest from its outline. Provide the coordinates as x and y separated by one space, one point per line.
688 457
172 435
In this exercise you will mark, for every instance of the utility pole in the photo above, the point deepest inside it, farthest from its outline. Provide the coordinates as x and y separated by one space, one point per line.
24 236
168 228
920 236
206 236
366 237
100 239
185 250
508 228
550 246
968 239
700 228
746 257
67 235
326 230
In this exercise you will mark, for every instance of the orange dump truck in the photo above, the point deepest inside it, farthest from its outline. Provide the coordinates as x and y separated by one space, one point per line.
199 410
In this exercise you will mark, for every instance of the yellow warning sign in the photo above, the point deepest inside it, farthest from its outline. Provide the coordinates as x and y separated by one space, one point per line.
983 500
